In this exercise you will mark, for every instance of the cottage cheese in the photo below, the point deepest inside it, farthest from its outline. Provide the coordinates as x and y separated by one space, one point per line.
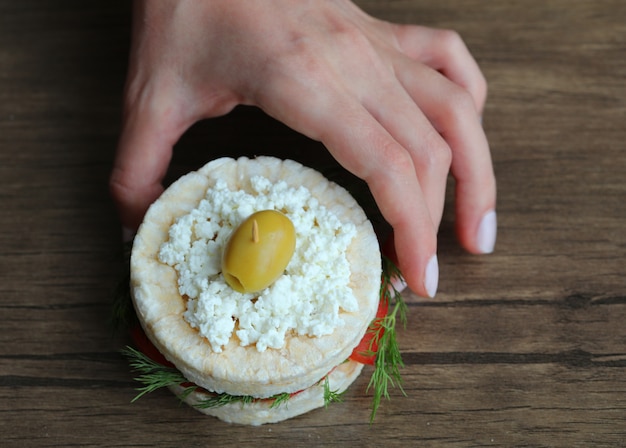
306 300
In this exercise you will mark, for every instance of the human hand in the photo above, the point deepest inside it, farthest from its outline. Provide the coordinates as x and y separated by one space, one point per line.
398 106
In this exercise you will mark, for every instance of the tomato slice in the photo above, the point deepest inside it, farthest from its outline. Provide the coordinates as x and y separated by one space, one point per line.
144 345
366 351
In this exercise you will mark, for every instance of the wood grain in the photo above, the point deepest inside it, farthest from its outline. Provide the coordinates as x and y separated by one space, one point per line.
526 347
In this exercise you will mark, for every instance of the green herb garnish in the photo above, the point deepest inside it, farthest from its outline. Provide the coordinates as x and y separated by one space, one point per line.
331 396
280 399
219 400
153 375
388 357
387 364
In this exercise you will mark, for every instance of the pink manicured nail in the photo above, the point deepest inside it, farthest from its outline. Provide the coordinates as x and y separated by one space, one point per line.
487 230
431 279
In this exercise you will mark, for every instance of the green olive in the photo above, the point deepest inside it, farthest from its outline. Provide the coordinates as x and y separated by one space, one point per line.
258 251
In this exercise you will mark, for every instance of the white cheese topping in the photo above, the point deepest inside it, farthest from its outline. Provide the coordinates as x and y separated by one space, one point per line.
305 300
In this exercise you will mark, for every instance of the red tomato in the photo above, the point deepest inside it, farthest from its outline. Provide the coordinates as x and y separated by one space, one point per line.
146 347
366 351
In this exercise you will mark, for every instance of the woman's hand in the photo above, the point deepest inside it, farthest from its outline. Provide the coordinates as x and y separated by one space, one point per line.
398 106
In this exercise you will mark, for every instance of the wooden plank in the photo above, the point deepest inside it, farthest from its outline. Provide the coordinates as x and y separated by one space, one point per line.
537 404
525 347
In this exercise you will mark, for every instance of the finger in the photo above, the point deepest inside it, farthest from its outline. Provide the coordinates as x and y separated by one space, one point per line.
476 223
444 51
142 158
398 113
452 111
366 149
388 169
398 194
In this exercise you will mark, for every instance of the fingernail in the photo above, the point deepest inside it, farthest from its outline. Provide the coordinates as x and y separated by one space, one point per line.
398 284
486 235
431 279
127 235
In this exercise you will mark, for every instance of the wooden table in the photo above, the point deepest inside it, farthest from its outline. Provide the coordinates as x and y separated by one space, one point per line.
526 347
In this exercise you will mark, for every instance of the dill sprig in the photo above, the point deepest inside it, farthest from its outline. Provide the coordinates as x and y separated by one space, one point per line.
219 400
280 399
153 375
388 360
331 396
387 364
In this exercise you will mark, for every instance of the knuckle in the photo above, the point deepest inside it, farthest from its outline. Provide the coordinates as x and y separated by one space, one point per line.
388 156
437 154
351 37
299 63
395 158
453 47
461 100
457 106
450 40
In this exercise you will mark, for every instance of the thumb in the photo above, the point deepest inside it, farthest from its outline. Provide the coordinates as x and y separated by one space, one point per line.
143 155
